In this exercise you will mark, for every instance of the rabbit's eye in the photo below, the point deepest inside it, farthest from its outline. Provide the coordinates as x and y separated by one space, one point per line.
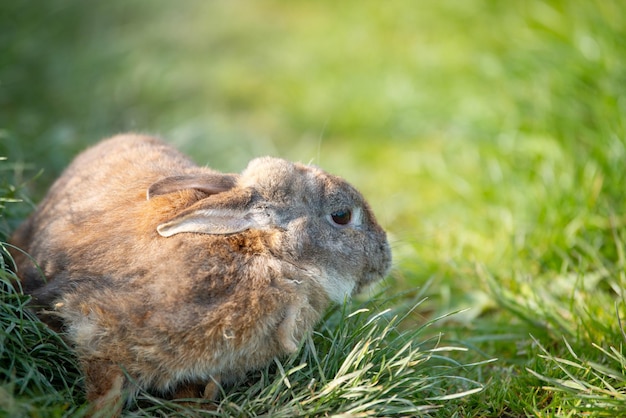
341 217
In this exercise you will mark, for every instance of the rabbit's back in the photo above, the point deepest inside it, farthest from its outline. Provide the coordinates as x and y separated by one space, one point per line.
98 209
112 173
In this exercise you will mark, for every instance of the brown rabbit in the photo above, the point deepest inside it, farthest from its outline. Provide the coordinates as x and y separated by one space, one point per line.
167 276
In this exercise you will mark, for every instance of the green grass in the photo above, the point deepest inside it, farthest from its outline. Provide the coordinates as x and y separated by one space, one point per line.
490 138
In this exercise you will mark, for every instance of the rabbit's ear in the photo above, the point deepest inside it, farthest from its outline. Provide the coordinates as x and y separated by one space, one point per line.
210 221
220 214
207 183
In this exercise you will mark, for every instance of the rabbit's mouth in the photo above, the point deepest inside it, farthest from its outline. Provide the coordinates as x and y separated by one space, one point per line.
375 272
370 277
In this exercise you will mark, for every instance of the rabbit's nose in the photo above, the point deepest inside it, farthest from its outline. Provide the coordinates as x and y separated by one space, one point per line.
386 251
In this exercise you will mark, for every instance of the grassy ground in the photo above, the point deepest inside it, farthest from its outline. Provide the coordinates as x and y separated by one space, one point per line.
489 137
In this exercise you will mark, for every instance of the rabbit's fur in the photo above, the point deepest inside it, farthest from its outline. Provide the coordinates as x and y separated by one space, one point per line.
177 275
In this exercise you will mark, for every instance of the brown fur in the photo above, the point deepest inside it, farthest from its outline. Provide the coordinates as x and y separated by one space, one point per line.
206 277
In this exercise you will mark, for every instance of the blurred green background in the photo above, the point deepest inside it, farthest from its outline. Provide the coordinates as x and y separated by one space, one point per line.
488 136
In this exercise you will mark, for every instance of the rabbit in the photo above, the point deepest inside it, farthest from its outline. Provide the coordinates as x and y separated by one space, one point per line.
174 278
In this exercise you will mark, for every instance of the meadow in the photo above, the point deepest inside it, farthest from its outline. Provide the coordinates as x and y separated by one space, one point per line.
489 138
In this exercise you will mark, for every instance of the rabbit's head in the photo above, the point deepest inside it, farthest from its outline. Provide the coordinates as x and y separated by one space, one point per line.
325 226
